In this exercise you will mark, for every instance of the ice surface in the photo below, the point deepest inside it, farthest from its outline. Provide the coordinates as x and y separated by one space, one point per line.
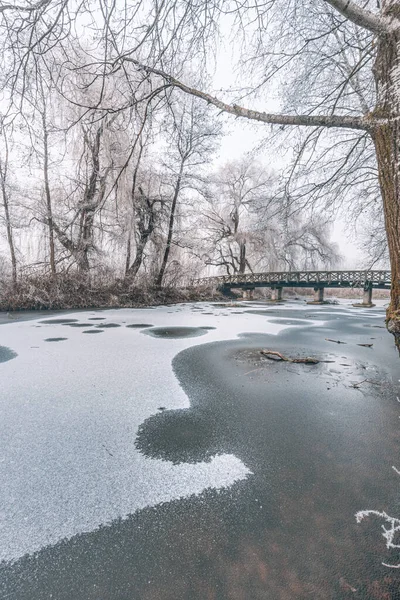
70 413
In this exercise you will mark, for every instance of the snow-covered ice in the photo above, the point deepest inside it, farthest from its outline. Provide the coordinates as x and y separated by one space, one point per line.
70 411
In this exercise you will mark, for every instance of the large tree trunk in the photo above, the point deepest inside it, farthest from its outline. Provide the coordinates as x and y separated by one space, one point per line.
242 257
177 189
143 209
387 140
10 237
137 263
128 254
48 194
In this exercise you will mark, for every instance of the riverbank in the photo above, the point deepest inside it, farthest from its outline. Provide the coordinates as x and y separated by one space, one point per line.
75 292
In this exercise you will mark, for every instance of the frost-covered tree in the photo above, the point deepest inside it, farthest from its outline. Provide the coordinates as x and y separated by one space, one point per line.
334 65
246 226
330 66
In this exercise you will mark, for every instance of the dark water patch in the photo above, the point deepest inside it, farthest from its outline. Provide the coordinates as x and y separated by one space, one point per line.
175 332
93 331
139 325
7 354
207 327
58 321
55 339
207 313
178 436
108 325
78 324
97 318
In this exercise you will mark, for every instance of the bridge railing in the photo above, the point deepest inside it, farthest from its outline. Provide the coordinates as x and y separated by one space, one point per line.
351 278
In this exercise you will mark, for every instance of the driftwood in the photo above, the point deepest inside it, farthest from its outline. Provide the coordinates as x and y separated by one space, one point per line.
335 341
274 355
365 345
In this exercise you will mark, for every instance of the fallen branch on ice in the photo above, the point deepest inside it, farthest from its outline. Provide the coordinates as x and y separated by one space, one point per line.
388 533
274 355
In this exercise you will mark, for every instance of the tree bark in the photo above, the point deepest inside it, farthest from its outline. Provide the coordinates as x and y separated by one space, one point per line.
387 139
360 16
95 185
49 208
170 226
242 257
128 254
10 237
137 263
143 209
9 229
343 121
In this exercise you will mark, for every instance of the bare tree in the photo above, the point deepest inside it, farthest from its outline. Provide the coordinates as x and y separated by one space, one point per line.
147 217
239 195
316 57
5 193
77 235
348 101
248 227
193 135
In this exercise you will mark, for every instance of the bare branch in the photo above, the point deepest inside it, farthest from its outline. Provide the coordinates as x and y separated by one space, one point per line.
360 16
254 115
30 9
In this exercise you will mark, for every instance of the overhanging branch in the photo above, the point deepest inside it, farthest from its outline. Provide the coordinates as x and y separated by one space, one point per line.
359 16
19 8
341 121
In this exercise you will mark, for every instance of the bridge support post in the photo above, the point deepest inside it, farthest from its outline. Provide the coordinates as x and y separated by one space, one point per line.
248 294
367 298
319 295
277 294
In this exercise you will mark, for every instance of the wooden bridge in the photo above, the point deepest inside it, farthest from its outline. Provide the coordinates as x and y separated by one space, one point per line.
319 280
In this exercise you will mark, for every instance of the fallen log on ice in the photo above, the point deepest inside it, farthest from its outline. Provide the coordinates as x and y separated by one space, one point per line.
278 356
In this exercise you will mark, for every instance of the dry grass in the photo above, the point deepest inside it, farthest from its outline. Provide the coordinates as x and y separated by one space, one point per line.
73 291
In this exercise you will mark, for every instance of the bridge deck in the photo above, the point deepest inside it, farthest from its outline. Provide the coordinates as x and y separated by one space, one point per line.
315 279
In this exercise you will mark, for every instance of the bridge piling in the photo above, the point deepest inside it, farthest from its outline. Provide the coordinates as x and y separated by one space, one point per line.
276 294
248 294
367 298
319 295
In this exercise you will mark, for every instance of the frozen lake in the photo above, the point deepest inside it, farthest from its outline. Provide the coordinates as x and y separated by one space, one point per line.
77 387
